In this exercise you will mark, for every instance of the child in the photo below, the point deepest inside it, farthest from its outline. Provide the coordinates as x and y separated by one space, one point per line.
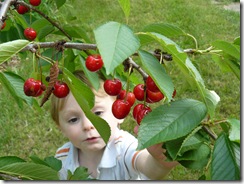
119 159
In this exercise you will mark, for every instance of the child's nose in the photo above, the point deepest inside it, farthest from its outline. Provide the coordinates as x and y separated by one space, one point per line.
87 125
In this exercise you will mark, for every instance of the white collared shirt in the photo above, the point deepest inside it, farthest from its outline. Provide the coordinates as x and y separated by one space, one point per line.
117 163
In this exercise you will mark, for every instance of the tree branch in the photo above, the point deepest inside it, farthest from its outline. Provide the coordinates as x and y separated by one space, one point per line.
4 9
46 17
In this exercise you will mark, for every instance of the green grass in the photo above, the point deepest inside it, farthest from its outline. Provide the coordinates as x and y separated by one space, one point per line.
25 132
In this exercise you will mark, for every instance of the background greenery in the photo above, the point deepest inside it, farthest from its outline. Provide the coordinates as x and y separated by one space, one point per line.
26 131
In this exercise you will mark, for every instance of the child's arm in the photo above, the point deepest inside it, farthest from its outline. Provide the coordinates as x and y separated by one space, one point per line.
151 162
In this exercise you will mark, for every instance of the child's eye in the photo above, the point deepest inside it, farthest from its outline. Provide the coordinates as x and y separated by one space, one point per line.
98 113
73 120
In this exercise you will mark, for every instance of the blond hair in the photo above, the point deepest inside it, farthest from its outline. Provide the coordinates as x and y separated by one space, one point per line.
58 103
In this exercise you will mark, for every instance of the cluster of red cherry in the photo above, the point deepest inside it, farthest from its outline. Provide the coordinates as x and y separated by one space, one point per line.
29 32
126 99
121 107
35 88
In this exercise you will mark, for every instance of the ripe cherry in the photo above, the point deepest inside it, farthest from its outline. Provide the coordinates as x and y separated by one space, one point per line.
112 86
94 62
139 92
61 89
21 9
3 26
140 111
151 84
153 97
30 33
136 109
33 87
120 108
35 2
130 97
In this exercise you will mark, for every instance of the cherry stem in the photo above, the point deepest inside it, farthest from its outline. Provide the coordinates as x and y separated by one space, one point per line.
45 58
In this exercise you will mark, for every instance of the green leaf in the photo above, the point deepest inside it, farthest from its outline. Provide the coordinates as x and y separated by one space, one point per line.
6 160
60 3
158 73
190 72
165 29
37 160
168 30
197 164
9 49
237 41
80 173
30 171
125 5
54 163
85 98
170 121
211 100
46 30
224 163
116 42
178 147
14 84
228 48
234 130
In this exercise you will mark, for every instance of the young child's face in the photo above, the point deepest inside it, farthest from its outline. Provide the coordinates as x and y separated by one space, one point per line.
79 130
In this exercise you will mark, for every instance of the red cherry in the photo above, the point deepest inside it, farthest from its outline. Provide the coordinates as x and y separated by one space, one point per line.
61 89
136 109
30 33
130 97
174 93
120 108
139 92
153 97
94 62
151 85
112 86
33 87
3 26
139 112
21 9
35 2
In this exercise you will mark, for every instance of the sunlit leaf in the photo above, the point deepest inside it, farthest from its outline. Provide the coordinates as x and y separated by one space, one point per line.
14 84
170 121
6 160
116 42
9 49
157 72
30 171
235 130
